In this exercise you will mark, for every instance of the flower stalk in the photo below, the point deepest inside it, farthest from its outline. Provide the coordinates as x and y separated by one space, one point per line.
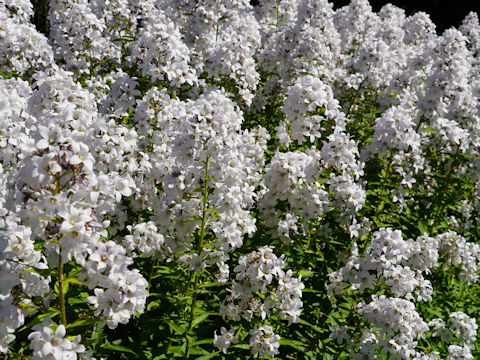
61 295
199 247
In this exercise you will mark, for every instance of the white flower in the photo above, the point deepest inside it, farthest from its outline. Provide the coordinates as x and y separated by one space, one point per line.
464 326
11 318
340 334
74 219
456 352
52 344
264 341
225 339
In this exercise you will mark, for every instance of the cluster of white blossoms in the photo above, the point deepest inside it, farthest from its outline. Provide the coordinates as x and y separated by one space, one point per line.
144 238
11 317
160 53
225 339
392 261
399 325
461 253
130 133
223 37
264 341
12 273
311 110
323 177
293 177
75 29
60 191
196 147
300 38
461 325
261 288
23 48
286 180
395 132
121 292
460 329
400 265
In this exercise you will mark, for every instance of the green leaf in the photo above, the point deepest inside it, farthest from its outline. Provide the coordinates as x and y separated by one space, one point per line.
315 327
212 284
7 75
208 356
304 273
163 269
119 348
442 226
72 301
381 206
201 311
422 227
293 343
38 319
330 241
429 130
178 349
204 341
198 319
307 290
177 329
153 305
196 350
83 323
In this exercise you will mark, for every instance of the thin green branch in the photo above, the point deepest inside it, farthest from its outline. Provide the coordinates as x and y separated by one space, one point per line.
199 247
61 295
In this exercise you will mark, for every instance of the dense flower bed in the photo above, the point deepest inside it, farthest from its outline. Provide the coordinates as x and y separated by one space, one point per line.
286 181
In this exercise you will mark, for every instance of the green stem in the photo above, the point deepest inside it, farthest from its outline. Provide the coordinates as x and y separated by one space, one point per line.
61 295
357 91
152 270
199 247
441 194
194 302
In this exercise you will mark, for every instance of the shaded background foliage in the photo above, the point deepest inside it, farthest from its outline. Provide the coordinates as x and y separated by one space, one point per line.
40 17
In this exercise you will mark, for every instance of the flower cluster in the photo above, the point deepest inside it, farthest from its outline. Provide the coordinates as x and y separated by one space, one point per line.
460 329
198 146
62 192
398 323
225 36
311 109
292 177
225 339
264 341
80 38
260 273
400 265
144 238
23 48
160 52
